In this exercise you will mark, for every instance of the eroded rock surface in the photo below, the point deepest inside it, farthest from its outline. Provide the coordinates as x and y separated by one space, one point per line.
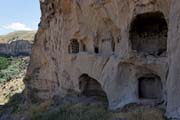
173 84
16 48
116 43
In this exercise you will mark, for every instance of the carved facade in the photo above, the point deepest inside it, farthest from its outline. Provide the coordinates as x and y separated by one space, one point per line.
120 46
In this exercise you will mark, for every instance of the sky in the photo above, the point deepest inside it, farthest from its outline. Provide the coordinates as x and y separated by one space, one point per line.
18 15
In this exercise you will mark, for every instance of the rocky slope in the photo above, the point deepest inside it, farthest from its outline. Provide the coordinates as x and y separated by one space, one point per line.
18 35
17 43
11 81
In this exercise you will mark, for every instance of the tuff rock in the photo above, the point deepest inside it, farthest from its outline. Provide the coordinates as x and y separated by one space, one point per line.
125 50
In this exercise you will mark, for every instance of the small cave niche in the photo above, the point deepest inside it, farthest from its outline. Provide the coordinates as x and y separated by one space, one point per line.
96 50
148 33
83 46
107 46
150 87
113 46
90 87
73 46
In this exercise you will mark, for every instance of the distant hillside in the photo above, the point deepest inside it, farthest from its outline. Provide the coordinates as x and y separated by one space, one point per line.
18 35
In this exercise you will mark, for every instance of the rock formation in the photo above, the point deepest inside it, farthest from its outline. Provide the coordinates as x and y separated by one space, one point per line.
173 82
111 48
16 48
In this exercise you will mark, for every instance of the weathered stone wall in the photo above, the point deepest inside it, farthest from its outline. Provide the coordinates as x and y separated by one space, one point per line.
102 29
16 48
173 83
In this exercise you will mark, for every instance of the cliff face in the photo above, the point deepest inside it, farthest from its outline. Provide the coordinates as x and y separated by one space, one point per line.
120 46
173 84
16 48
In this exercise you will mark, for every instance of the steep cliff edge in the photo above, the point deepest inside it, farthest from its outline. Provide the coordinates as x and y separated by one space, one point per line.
16 48
17 43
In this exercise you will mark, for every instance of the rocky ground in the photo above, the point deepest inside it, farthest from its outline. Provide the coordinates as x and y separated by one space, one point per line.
10 88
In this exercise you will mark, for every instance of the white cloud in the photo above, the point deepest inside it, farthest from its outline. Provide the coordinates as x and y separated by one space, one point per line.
16 26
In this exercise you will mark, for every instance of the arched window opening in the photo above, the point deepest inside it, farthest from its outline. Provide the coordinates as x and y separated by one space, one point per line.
74 46
150 87
148 34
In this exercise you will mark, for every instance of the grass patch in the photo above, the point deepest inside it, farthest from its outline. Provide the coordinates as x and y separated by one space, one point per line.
73 112
141 114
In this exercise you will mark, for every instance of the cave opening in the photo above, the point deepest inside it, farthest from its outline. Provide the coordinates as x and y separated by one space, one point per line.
148 34
96 50
150 87
91 88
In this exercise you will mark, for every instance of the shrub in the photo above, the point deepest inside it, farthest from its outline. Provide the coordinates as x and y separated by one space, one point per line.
4 62
9 68
9 73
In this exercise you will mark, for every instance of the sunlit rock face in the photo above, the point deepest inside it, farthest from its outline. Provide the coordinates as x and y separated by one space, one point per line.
119 46
16 48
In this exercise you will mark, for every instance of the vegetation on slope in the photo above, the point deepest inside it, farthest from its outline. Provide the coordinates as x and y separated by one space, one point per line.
4 62
10 68
80 111
71 112
12 72
18 35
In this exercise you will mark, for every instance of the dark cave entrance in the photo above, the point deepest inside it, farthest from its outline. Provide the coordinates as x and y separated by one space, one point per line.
148 33
92 88
96 50
150 87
